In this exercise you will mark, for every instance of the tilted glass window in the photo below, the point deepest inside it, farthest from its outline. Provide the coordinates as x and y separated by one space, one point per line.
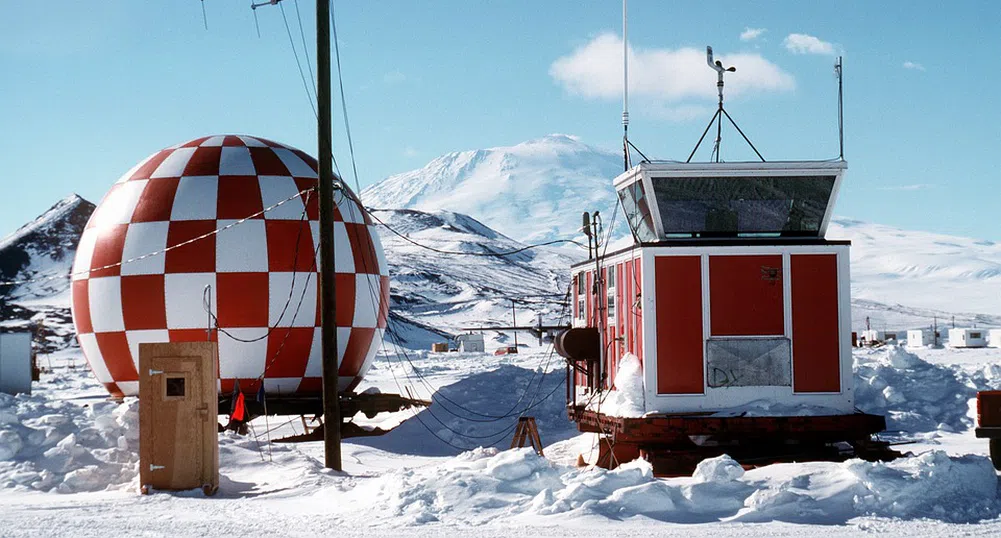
637 211
743 206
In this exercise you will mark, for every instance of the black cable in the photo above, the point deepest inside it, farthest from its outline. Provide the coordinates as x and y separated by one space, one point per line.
305 49
344 104
371 213
432 392
298 65
291 292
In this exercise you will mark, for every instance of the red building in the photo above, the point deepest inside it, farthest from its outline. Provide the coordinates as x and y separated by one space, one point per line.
736 305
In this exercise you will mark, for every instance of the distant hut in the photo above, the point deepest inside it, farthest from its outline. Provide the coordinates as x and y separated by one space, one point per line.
967 338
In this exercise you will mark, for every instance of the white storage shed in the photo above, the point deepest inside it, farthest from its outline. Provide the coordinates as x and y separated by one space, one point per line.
967 338
471 343
994 337
873 336
920 338
15 362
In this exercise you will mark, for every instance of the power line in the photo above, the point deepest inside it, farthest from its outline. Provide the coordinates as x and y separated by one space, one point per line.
158 252
298 65
291 291
371 213
305 49
344 104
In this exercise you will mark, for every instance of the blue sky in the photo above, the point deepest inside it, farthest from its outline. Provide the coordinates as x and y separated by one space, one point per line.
89 88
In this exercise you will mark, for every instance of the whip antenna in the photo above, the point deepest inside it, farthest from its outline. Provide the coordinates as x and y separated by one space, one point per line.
839 72
625 87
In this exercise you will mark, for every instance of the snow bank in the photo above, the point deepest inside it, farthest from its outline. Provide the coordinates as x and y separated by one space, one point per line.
50 445
916 396
486 485
626 399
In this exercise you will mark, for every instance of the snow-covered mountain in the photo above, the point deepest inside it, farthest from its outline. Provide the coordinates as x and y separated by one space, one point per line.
444 289
533 191
933 274
44 248
42 251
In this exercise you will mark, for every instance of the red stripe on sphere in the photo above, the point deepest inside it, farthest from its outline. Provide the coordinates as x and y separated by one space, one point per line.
117 356
289 359
81 306
383 302
197 257
267 163
108 251
344 285
362 248
242 299
239 197
156 201
290 246
359 344
143 305
204 162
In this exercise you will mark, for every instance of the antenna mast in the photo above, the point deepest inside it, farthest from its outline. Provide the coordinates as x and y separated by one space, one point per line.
839 72
625 87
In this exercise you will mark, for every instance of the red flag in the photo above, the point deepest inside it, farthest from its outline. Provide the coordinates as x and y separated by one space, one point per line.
239 411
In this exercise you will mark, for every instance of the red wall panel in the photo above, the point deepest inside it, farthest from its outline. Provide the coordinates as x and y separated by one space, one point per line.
627 305
679 324
745 296
815 324
638 312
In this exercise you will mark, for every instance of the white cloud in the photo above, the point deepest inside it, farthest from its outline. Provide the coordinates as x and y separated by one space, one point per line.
913 65
394 77
750 34
594 70
410 152
808 44
914 187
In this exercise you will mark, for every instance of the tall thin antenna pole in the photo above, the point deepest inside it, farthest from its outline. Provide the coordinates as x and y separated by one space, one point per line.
625 86
839 70
328 318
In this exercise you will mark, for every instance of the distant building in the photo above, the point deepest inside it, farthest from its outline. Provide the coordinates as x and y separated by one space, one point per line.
470 343
967 338
15 362
994 338
920 338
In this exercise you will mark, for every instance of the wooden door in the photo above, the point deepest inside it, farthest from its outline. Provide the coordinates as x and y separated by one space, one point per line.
177 416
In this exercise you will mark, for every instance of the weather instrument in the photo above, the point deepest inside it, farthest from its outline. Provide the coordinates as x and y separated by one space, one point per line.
717 118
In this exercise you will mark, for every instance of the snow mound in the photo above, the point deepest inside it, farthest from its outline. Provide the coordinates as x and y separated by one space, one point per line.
719 469
627 398
916 396
49 445
482 486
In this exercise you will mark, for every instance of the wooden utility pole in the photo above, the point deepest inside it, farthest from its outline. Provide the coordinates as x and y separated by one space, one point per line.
331 398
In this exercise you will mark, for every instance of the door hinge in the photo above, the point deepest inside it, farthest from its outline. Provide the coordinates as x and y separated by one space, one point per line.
156 467
154 372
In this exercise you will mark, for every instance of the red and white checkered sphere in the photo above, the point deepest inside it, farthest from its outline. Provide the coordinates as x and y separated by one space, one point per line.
261 273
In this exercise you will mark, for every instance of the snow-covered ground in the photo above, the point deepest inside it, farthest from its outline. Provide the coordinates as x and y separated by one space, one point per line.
75 469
